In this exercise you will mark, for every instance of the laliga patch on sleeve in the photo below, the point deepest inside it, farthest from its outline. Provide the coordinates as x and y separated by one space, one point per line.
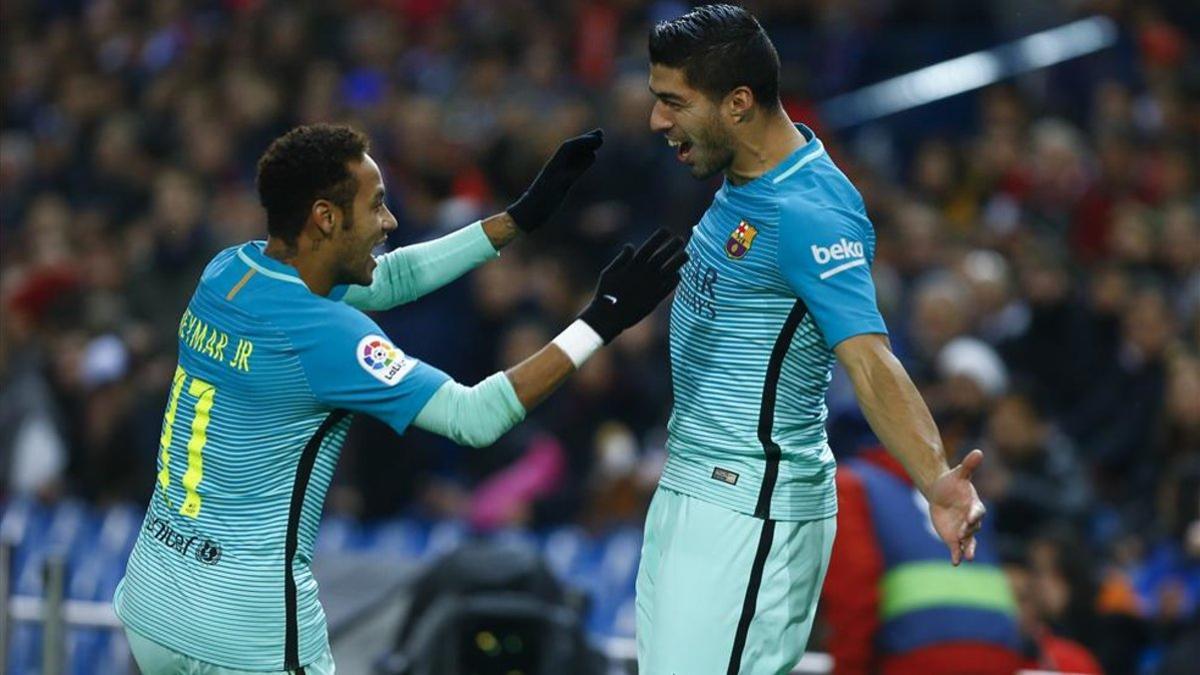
383 360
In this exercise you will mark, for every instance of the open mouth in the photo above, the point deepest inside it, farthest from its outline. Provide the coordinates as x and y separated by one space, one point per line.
683 149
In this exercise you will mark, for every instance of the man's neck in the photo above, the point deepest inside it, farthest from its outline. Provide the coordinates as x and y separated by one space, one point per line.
766 142
314 272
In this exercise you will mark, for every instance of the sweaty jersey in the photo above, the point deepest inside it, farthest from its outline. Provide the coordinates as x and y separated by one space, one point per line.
779 274
257 412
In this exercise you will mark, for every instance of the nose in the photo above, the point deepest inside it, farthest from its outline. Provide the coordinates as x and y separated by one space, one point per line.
389 222
660 120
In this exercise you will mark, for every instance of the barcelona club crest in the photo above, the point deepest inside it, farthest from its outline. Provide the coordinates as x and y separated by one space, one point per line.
740 240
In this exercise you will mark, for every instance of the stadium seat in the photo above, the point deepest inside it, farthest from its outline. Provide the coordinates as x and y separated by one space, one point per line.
337 534
97 542
399 537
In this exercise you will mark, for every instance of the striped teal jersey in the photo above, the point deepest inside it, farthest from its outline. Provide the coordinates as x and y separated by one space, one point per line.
268 376
779 274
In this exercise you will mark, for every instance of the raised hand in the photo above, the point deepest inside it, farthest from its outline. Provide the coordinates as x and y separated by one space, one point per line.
634 283
546 193
955 509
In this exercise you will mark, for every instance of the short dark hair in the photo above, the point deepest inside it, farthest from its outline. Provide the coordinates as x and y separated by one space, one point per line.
306 164
719 48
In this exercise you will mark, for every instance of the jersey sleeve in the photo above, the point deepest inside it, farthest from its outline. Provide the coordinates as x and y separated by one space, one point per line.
472 416
413 271
351 364
825 256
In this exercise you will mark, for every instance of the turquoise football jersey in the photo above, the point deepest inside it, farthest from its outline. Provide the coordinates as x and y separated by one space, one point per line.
269 375
779 274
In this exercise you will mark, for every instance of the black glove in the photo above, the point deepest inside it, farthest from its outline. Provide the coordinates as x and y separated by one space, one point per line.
634 283
541 200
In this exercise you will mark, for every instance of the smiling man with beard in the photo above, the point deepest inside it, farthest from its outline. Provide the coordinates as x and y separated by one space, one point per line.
777 288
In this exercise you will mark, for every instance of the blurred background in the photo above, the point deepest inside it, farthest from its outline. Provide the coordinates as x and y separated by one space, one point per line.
1038 266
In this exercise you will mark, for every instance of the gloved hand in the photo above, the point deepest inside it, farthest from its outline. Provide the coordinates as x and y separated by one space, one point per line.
546 193
634 283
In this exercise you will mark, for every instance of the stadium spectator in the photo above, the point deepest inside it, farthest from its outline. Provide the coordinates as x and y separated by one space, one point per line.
1034 478
891 603
1081 601
1043 650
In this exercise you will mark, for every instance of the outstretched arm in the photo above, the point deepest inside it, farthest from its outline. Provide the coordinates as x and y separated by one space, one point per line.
629 288
826 256
899 416
413 271
477 416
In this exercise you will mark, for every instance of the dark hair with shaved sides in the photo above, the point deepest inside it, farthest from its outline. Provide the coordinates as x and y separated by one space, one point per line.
719 48
306 164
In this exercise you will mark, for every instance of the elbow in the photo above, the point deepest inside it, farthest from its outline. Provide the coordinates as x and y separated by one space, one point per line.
876 376
473 432
481 438
481 415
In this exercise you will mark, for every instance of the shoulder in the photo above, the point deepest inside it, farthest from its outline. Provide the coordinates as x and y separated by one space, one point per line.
331 320
335 329
224 264
822 232
816 185
801 205
820 200
335 341
814 214
312 324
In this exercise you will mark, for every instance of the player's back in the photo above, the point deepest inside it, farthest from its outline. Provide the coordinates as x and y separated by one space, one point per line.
250 438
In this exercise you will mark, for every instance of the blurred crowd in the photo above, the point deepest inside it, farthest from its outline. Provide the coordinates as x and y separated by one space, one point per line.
1038 260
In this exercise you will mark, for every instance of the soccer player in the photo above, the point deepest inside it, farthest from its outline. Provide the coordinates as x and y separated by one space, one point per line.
273 364
777 286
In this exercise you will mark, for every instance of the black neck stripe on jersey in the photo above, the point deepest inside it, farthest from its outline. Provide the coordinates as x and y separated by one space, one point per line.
308 458
766 412
750 604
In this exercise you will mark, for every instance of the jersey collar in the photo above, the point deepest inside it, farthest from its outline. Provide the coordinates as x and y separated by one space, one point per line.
799 158
253 254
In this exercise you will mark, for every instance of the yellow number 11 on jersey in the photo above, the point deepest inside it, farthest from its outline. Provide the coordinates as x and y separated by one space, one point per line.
204 394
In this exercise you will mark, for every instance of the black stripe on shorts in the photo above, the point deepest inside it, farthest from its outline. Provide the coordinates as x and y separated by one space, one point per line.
750 604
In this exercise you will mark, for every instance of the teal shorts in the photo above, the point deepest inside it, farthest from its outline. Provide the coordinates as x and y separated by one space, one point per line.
155 659
722 592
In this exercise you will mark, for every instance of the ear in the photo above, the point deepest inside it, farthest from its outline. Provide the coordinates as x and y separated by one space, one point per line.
325 215
739 104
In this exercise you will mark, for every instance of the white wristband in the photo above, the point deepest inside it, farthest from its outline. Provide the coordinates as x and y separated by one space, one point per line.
579 341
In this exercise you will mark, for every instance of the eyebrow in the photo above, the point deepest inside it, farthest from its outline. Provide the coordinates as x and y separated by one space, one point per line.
667 96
